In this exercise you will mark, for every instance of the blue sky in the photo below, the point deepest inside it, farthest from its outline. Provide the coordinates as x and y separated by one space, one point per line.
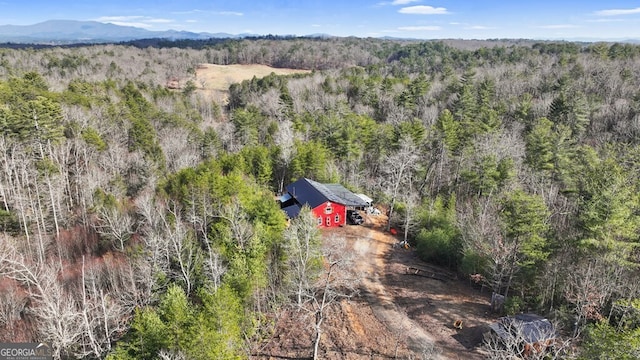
423 19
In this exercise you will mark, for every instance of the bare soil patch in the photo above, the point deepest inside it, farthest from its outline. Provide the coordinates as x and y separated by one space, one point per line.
398 315
436 304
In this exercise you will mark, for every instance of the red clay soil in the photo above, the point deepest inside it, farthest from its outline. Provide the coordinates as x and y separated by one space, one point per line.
397 315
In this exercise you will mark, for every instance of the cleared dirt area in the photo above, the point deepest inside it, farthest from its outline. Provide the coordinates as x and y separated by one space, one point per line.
214 80
405 310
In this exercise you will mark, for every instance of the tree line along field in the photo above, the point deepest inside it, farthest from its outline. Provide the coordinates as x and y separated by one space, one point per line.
138 221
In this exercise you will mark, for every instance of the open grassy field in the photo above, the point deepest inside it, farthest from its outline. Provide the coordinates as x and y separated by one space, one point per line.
218 78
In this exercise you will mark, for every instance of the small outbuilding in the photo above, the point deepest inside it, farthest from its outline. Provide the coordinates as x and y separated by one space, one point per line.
366 199
328 202
529 332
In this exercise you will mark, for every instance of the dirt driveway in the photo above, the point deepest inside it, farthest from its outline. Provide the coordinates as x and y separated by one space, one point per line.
420 307
398 315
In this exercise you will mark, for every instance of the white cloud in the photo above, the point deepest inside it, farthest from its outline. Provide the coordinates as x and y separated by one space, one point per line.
229 13
316 25
159 21
616 12
134 24
133 20
403 2
609 20
480 27
423 10
191 21
118 18
559 26
419 28
194 11
198 11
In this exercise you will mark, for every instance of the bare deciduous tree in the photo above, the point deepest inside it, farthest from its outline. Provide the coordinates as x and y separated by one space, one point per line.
411 202
215 267
200 214
12 303
172 355
116 225
103 316
481 235
304 254
589 286
56 311
336 282
284 138
241 229
398 167
183 252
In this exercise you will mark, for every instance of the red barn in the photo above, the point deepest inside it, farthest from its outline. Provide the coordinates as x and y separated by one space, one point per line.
329 202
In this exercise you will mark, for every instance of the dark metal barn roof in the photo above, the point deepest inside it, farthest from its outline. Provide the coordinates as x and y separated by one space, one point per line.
313 193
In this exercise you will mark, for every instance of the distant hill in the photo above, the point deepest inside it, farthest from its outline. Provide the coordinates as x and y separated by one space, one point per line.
71 31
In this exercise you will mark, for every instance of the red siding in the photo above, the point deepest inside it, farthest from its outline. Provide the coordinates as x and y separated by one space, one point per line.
326 214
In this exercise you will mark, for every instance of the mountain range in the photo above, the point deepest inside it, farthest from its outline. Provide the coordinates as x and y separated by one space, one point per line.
71 31
65 32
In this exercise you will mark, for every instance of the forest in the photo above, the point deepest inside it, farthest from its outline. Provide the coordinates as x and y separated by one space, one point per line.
139 222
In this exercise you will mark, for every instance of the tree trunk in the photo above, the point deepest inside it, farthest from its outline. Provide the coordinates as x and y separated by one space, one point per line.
316 344
393 202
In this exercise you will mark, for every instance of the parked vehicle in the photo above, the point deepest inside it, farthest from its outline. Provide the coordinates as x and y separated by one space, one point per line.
354 217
